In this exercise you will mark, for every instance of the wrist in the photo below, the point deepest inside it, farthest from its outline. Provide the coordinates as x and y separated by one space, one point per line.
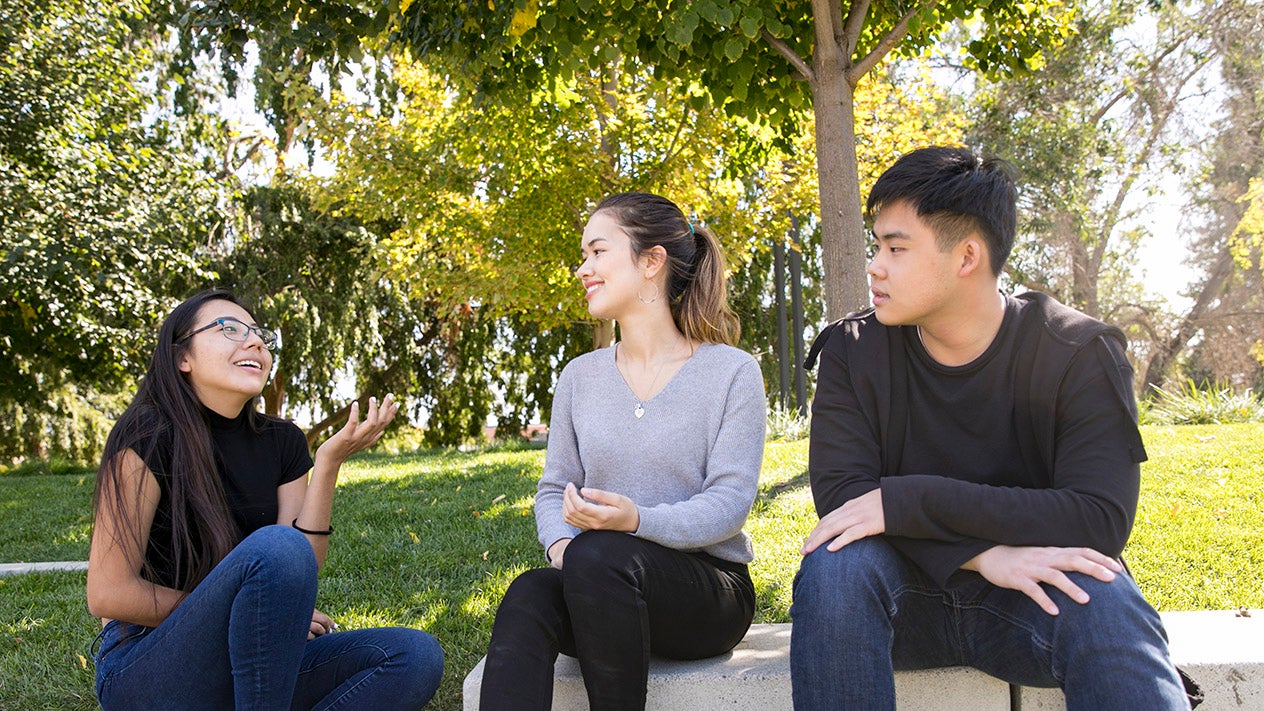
327 459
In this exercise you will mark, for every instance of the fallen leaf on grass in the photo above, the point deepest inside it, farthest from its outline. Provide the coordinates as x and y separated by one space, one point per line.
485 554
83 663
414 537
1176 510
1208 438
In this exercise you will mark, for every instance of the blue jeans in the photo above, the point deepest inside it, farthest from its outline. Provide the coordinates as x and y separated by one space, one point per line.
239 640
866 610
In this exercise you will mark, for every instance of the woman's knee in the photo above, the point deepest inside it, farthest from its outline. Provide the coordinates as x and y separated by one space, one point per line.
533 605
281 554
420 659
533 588
599 549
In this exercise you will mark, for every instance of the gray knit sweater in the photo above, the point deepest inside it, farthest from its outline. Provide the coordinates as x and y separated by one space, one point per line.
691 462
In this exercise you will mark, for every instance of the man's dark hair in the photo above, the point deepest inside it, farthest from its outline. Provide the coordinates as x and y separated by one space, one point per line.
956 193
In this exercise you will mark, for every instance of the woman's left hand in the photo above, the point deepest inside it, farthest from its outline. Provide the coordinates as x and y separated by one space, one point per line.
356 435
597 510
321 624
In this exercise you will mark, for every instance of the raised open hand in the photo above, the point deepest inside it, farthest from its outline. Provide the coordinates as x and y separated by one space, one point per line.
359 435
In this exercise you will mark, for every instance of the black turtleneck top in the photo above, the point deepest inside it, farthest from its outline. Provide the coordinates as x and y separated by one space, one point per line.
252 463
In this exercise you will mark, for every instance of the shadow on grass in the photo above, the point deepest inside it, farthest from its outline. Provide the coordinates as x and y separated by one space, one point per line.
798 481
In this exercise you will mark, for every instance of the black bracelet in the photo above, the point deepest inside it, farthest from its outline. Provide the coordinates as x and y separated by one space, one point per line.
294 523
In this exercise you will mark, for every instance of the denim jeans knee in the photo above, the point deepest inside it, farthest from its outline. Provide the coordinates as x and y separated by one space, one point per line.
285 552
243 628
840 644
1112 652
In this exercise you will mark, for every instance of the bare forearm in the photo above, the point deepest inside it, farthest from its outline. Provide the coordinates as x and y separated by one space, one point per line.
138 601
317 511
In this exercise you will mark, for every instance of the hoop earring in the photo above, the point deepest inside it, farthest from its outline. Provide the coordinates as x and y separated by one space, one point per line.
653 298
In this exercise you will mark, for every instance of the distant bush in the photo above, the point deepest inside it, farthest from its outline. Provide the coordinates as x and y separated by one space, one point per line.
1191 405
787 425
42 467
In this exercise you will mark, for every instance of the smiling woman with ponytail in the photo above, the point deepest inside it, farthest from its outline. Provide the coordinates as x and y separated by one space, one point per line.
208 533
654 452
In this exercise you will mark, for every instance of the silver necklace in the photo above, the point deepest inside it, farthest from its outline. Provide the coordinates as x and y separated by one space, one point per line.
639 410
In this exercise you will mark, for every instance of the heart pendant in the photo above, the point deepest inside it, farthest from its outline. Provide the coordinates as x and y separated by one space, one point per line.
639 411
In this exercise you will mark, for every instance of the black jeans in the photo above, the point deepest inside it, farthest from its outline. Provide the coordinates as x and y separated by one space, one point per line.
617 599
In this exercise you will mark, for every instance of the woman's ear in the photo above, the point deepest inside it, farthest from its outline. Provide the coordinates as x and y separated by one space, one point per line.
653 259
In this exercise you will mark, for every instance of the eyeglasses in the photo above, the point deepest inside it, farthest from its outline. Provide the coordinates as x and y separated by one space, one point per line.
235 330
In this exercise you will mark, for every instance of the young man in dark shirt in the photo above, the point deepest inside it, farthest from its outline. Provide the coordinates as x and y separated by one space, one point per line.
974 460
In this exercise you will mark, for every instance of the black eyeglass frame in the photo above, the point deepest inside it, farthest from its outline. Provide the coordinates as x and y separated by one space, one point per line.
267 335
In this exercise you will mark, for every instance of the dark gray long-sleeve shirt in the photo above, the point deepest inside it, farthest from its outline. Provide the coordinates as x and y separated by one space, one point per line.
971 472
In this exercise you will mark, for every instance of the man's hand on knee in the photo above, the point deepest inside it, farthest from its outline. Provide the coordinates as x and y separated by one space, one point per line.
859 518
1024 568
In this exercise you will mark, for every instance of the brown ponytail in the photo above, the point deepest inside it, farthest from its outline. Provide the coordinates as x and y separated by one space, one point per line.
697 289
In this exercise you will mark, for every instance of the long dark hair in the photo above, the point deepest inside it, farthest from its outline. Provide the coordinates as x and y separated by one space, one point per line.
697 291
167 412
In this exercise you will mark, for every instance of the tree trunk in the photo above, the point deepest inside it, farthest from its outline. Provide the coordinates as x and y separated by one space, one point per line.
842 224
603 334
1165 353
783 349
274 393
796 308
1084 273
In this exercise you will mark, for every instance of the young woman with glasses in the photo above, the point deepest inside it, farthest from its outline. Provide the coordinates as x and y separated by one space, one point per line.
208 534
653 462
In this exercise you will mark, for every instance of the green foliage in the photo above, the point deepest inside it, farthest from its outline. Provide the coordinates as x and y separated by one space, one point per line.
487 197
69 424
725 46
298 47
1210 405
103 202
310 275
1091 131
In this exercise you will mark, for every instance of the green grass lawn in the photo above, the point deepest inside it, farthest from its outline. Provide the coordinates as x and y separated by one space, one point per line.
431 540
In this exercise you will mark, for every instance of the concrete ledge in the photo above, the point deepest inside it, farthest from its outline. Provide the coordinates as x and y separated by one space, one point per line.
1223 652
19 568
756 675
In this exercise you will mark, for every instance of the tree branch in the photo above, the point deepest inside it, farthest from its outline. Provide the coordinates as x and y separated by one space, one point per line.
800 66
674 147
847 32
888 42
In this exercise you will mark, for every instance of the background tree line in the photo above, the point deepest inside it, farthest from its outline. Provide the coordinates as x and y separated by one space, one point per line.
399 187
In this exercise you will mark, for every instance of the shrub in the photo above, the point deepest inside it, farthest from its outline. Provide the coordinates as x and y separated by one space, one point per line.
787 425
1216 405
